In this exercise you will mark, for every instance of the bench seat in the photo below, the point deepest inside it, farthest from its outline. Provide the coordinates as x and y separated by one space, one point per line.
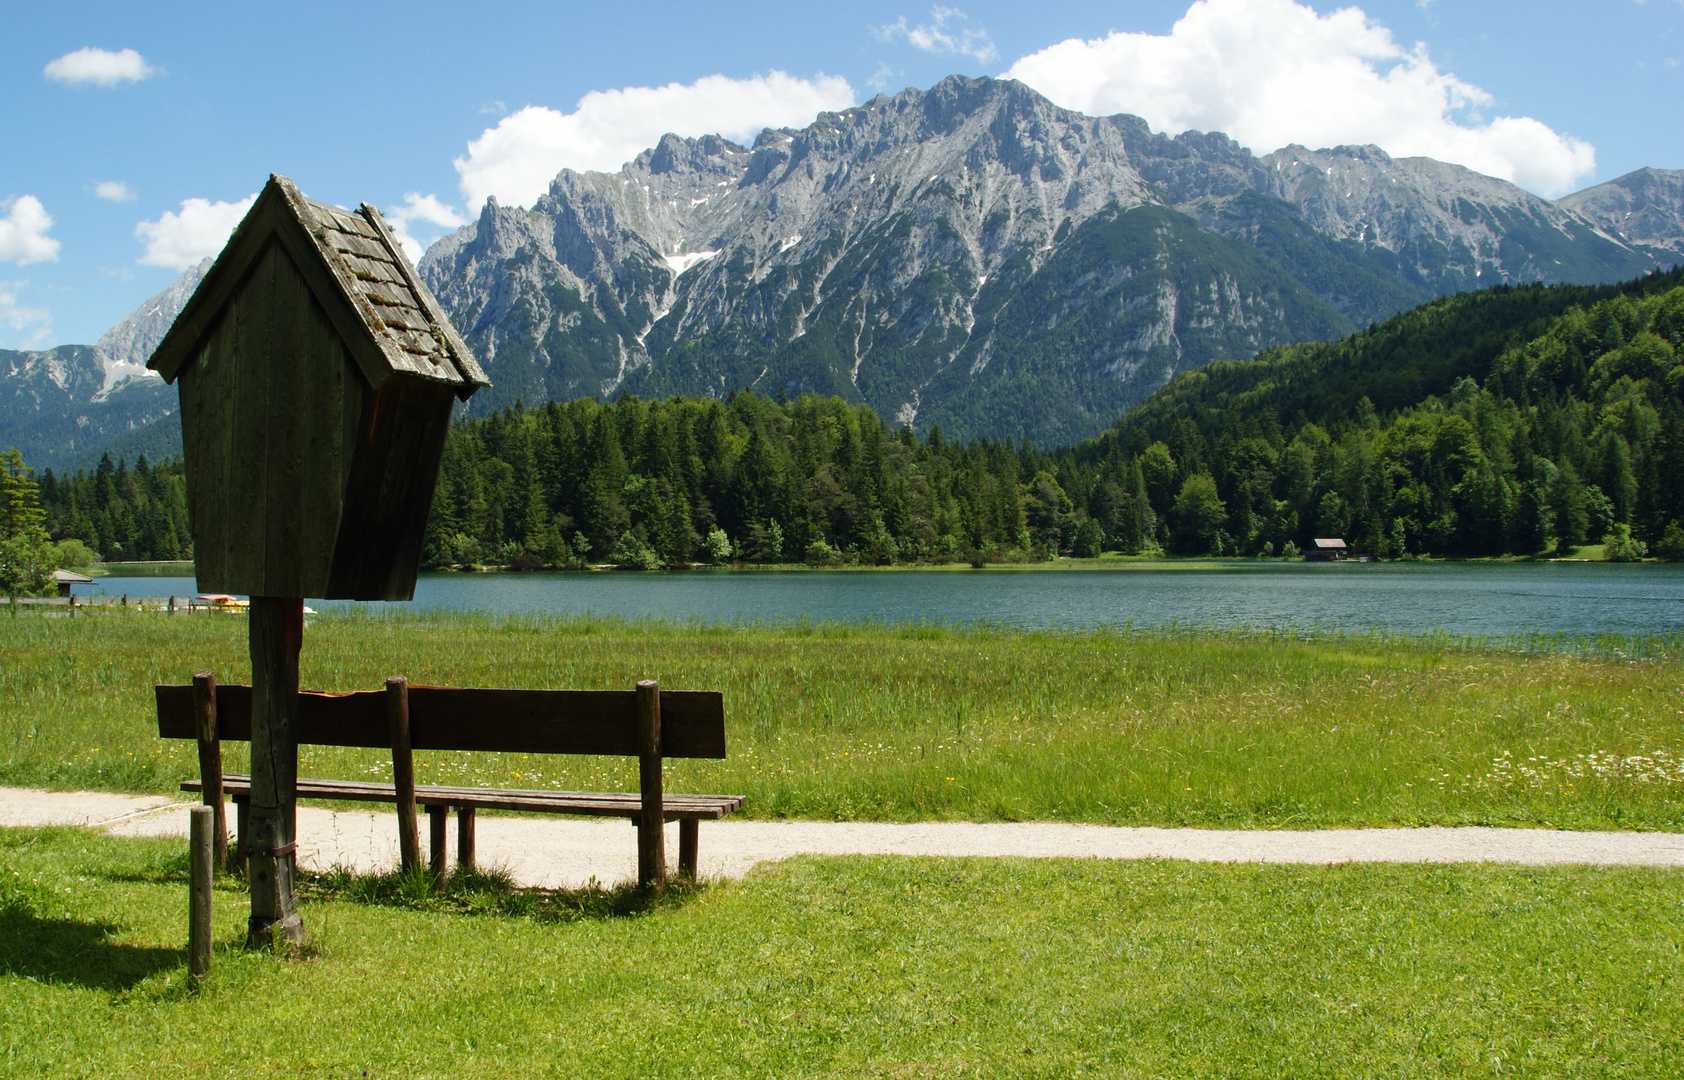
439 799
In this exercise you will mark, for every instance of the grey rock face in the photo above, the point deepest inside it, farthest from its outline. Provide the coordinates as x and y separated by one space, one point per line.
1438 228
915 253
1448 228
608 272
1644 209
871 254
127 346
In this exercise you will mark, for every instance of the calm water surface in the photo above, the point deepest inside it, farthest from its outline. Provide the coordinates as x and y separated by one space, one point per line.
1482 599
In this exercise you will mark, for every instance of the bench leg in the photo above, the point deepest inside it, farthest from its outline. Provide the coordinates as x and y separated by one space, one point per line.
687 829
242 816
437 817
465 837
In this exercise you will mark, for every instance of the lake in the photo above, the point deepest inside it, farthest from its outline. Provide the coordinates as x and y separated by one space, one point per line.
1491 599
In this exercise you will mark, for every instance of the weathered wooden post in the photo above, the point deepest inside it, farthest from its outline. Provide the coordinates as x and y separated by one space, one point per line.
317 376
200 822
276 635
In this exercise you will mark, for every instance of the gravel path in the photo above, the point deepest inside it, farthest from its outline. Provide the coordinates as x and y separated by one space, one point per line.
562 851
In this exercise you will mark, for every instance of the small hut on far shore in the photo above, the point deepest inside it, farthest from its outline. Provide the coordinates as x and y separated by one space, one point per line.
64 579
1326 549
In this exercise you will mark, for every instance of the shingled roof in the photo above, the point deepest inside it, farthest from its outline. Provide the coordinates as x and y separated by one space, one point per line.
388 319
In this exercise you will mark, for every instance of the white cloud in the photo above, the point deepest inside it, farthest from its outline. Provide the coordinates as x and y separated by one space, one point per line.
101 67
517 159
942 35
23 232
200 229
18 318
419 207
1273 72
114 191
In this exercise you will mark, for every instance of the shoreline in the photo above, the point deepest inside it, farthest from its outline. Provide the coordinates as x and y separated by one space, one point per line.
1061 565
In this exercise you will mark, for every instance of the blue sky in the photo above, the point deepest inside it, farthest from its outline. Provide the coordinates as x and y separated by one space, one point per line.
445 103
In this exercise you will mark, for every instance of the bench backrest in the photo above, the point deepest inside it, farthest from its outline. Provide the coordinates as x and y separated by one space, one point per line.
449 718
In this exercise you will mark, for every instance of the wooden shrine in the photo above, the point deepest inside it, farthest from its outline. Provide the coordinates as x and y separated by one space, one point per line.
317 376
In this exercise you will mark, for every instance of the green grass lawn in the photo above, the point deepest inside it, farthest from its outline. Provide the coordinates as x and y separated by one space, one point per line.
922 723
180 568
863 967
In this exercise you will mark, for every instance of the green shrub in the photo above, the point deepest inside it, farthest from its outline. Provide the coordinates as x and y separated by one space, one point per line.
1620 547
716 548
633 554
1671 547
74 553
819 553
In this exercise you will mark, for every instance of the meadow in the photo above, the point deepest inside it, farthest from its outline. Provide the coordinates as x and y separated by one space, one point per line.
862 967
850 722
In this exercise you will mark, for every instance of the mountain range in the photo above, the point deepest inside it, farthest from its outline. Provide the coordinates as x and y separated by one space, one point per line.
975 257
64 407
970 256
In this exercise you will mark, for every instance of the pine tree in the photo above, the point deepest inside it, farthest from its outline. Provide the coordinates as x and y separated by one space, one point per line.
20 501
26 552
1615 477
1568 508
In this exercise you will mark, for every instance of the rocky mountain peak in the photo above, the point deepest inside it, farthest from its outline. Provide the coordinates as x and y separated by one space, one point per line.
708 154
125 348
1644 208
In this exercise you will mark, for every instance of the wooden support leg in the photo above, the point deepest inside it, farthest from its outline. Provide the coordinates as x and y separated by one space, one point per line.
687 829
465 837
276 629
651 845
242 821
437 818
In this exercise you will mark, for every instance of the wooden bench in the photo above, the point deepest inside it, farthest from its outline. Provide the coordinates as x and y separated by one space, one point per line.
646 723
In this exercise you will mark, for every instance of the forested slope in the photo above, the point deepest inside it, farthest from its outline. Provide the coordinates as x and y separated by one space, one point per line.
1395 364
1508 420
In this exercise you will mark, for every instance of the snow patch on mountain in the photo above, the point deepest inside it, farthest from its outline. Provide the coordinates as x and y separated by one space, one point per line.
680 263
